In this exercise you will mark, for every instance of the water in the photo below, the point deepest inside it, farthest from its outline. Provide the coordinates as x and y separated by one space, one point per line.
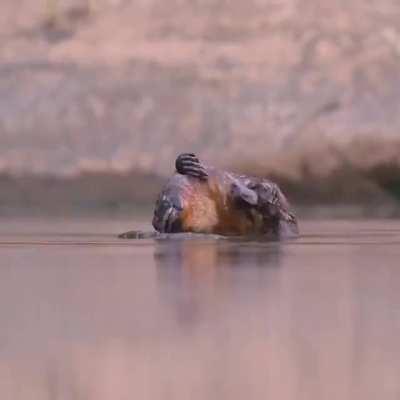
84 315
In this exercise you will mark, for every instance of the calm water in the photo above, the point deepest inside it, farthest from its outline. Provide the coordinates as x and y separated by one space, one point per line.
86 316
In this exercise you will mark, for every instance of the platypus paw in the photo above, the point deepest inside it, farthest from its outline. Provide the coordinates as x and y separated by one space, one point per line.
189 164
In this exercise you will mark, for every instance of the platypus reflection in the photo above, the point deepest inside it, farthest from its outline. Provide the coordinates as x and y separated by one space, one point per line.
203 199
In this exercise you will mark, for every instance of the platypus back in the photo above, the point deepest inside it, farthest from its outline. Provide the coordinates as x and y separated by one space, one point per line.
188 204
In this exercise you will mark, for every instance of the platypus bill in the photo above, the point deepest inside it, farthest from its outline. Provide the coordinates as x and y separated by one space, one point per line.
204 200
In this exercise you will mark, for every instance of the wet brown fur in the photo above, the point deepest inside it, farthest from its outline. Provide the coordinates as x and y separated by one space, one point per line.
209 208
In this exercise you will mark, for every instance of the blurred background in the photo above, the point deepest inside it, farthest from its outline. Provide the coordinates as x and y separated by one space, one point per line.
97 97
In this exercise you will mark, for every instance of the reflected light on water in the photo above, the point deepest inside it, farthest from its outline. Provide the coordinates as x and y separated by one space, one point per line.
92 317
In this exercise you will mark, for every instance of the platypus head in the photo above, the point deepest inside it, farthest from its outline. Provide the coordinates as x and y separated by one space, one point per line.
167 214
169 206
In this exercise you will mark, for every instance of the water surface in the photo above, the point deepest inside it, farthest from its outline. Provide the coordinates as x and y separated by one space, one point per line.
85 315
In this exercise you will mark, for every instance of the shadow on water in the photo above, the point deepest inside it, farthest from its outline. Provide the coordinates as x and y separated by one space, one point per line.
186 255
192 273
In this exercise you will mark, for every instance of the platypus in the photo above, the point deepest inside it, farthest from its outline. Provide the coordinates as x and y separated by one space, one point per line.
203 199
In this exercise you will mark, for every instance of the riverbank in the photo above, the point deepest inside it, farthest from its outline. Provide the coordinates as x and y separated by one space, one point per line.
281 85
348 192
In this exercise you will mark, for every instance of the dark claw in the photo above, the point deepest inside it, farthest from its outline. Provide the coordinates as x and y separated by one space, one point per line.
190 160
194 167
199 173
189 164
187 156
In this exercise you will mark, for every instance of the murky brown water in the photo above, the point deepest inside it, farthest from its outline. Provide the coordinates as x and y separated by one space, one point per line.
85 316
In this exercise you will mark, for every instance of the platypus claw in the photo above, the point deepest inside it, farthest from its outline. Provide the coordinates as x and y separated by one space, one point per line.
189 164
